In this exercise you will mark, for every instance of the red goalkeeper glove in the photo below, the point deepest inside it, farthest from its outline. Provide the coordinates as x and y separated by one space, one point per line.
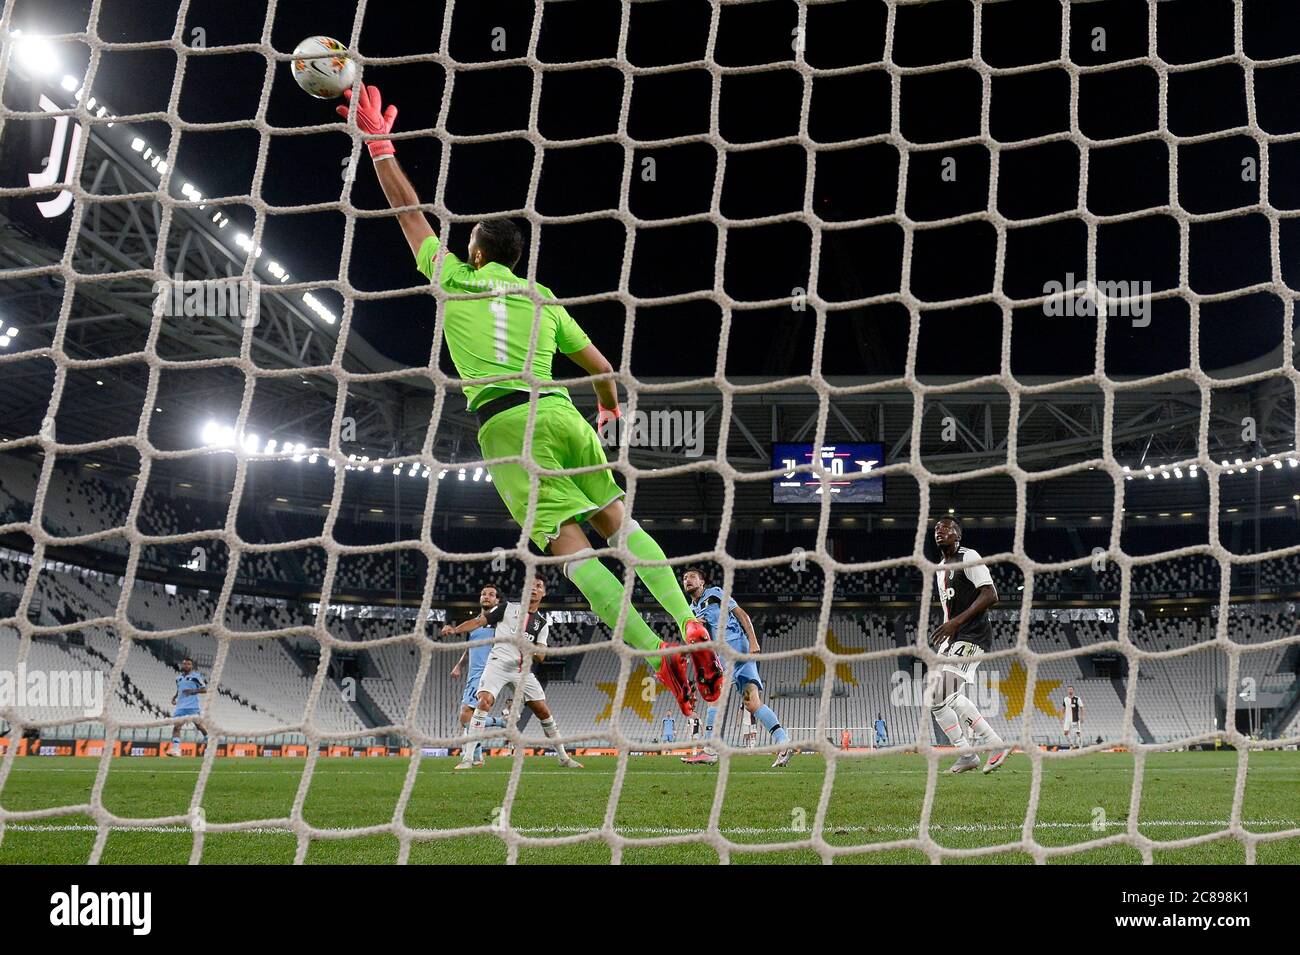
371 120
605 415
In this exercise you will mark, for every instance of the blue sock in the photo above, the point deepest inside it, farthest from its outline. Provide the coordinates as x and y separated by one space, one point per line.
768 718
710 715
478 752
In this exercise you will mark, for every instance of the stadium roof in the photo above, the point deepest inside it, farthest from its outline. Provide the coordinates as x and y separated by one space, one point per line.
959 349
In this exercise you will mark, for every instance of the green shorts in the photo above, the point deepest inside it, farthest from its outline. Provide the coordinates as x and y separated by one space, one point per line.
562 438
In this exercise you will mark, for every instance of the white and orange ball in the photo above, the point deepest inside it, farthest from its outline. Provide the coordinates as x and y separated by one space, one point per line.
322 67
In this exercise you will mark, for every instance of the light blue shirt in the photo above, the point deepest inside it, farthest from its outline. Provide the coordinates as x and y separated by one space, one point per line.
709 609
478 656
189 681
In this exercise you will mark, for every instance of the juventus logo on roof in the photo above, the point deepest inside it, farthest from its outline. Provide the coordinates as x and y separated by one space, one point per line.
53 208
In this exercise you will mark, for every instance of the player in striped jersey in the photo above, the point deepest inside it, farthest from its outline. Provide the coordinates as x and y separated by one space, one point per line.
701 729
476 657
505 667
1073 718
965 634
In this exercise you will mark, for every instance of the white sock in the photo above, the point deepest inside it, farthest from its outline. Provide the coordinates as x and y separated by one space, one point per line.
552 731
950 724
973 719
476 723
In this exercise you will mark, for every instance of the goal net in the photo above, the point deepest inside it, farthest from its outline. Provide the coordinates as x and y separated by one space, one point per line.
837 57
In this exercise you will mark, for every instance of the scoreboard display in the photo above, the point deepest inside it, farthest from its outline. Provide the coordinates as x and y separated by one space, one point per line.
845 462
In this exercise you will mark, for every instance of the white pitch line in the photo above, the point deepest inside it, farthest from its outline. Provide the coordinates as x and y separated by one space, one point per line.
727 830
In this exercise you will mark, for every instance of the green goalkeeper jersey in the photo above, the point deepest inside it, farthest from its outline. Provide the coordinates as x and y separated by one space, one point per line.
488 337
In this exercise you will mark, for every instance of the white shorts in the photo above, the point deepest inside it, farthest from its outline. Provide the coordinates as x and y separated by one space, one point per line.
497 675
965 659
1072 727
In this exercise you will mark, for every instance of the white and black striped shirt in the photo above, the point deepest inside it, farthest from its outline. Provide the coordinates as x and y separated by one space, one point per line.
1073 709
511 619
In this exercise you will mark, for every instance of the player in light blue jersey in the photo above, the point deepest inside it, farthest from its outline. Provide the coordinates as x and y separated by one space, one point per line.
488 598
190 685
738 631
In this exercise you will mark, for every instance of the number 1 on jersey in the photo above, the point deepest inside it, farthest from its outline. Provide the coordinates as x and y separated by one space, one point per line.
498 309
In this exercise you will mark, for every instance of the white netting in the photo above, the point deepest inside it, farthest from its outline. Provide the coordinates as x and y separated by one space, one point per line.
371 68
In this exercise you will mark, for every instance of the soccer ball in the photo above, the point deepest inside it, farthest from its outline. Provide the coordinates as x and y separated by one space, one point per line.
325 69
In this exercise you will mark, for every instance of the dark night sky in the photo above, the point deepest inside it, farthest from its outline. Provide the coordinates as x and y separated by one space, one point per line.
853 183
847 184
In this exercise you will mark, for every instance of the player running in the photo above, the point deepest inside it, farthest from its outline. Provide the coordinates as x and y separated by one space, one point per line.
190 685
492 339
488 598
505 667
706 603
964 635
1073 719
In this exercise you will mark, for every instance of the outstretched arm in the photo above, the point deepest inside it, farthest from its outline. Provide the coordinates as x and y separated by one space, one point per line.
374 120
399 192
471 624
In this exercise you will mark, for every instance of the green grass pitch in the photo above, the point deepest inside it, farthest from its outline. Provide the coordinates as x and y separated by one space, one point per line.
874 800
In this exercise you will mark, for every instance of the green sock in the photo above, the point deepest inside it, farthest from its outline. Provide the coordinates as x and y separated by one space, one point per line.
661 581
604 592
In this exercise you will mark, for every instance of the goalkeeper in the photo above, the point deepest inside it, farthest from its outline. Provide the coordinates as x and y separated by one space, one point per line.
489 338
